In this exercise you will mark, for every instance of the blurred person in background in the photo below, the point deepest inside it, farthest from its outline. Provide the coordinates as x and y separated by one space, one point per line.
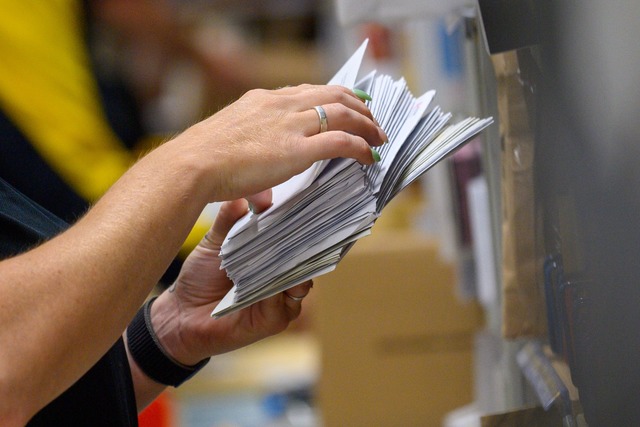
70 125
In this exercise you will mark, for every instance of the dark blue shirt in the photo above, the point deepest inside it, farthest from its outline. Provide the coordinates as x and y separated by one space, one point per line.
104 396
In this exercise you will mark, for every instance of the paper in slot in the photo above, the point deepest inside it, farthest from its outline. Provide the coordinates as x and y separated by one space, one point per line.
317 216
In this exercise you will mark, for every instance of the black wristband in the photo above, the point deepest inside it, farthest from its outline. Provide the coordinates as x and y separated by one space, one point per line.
152 359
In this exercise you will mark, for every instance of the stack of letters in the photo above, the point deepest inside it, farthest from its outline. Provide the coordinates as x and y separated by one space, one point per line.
318 215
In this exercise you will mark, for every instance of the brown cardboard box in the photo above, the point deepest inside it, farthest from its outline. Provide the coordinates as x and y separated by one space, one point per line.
396 343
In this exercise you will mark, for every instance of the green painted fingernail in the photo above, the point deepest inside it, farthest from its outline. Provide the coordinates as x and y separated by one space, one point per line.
375 154
362 95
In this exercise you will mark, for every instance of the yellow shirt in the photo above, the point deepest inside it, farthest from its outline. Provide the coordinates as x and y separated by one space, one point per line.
48 90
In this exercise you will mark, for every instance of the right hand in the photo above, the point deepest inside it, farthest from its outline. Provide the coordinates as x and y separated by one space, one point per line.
268 136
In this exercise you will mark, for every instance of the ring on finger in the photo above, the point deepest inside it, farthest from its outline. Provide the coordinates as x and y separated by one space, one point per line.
322 115
297 299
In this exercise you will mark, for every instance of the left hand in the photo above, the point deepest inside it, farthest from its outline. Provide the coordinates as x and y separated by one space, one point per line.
181 316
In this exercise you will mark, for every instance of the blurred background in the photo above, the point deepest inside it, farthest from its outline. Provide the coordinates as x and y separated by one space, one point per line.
483 296
391 347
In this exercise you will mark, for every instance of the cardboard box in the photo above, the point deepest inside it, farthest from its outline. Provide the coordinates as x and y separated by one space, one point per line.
396 343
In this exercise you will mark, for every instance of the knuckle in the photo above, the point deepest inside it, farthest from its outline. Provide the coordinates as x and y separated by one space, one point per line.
342 141
342 95
253 93
338 111
259 97
337 93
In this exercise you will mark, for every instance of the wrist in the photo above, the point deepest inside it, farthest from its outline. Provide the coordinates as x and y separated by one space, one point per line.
175 156
166 322
152 357
206 177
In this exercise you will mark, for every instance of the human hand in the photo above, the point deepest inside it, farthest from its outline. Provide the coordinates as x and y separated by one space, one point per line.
181 316
268 136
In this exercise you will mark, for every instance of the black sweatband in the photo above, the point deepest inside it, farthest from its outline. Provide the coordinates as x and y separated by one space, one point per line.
153 360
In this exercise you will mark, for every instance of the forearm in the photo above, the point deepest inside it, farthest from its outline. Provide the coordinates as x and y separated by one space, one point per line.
66 302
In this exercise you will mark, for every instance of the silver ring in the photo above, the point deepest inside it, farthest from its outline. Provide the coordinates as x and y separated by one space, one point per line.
322 115
297 299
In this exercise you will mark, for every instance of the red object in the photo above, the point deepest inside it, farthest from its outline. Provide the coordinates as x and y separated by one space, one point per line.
379 40
160 413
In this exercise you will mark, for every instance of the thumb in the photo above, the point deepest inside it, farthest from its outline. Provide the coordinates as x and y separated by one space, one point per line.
260 201
230 212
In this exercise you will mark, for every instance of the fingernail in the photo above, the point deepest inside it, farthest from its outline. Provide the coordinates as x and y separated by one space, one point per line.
362 95
375 154
385 138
